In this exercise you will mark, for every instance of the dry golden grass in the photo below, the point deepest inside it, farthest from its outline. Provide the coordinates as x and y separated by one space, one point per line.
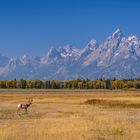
70 115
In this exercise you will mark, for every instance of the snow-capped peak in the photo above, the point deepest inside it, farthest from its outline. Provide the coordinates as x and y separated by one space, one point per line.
133 40
53 53
118 31
92 43
52 56
91 46
132 37
117 34
68 47
68 51
25 59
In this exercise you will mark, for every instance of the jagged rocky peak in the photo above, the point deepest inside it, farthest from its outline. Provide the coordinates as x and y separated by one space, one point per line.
53 53
25 59
52 56
117 33
67 49
116 36
133 39
93 44
12 63
52 50
133 46
114 40
90 47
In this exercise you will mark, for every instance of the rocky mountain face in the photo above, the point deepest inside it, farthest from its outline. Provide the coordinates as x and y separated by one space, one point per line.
117 57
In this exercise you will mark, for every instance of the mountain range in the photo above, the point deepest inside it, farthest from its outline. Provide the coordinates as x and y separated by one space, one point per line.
117 57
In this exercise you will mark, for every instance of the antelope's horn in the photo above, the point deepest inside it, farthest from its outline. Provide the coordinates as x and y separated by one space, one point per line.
30 100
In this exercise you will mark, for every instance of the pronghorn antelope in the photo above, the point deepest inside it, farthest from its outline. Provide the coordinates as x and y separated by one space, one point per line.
24 106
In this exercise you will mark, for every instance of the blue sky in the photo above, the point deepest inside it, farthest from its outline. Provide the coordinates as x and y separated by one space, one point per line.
33 26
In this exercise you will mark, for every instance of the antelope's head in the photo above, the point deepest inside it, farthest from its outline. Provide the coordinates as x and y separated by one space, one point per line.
30 101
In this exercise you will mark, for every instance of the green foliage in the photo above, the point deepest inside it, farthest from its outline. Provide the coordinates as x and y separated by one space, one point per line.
72 84
22 83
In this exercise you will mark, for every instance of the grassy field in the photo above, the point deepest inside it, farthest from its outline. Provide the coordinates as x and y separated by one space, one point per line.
70 115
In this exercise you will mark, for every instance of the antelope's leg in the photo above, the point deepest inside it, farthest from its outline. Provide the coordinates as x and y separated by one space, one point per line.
18 110
26 110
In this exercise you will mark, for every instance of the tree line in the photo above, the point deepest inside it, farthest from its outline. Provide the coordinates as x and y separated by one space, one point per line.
72 84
